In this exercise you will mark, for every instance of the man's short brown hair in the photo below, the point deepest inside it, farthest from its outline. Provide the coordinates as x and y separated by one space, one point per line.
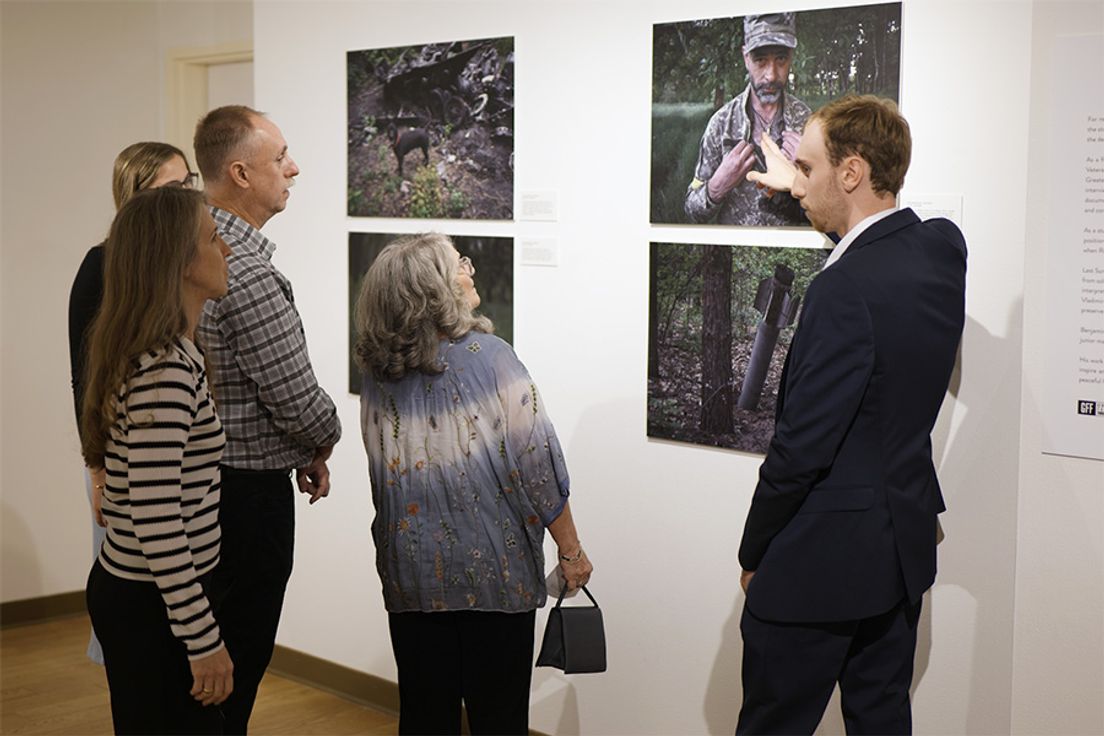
873 129
219 137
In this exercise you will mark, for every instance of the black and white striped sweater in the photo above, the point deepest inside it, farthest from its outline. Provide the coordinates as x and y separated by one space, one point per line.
162 497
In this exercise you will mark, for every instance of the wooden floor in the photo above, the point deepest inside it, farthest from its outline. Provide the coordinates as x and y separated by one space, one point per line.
48 686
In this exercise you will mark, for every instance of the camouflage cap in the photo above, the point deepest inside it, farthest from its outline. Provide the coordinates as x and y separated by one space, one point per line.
772 29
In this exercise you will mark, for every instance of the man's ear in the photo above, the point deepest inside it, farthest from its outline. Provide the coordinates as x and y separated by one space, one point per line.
239 174
853 171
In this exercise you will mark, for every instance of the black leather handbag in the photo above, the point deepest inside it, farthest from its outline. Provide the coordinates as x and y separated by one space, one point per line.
574 639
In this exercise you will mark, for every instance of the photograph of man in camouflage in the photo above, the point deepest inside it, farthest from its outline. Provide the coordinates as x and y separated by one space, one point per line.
784 65
730 148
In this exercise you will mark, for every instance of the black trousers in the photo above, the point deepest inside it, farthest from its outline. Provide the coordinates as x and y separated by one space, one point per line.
147 667
790 670
257 516
482 658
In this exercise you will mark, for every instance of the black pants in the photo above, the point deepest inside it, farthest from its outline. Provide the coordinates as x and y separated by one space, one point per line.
484 659
257 516
147 667
790 670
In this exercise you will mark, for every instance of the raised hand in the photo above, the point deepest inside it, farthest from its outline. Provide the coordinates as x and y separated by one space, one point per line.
780 171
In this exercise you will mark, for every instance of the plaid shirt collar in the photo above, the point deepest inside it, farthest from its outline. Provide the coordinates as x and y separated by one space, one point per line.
245 237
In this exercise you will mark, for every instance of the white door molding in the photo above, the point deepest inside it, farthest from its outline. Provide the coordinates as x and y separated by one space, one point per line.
186 76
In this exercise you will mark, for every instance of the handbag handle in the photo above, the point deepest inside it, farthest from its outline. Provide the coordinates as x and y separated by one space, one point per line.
563 590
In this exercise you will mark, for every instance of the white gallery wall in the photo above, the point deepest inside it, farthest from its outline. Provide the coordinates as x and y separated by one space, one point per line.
80 81
1013 631
1058 675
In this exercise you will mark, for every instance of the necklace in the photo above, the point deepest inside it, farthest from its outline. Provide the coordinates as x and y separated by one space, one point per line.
763 123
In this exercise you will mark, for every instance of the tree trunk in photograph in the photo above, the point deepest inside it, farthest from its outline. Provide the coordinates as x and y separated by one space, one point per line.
716 385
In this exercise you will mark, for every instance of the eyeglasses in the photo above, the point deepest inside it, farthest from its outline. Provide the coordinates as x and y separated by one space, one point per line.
188 182
466 266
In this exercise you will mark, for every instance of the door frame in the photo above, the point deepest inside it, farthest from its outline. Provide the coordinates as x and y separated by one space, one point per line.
186 77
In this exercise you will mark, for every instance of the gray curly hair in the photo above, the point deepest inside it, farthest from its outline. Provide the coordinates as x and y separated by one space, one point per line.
409 299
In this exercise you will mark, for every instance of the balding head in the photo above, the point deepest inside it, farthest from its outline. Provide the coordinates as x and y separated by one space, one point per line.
222 136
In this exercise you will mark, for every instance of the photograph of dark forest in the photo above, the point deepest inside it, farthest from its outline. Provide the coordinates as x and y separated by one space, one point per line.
493 259
431 130
698 67
720 321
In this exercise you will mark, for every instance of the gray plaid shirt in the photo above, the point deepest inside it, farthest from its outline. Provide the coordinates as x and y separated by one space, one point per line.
273 410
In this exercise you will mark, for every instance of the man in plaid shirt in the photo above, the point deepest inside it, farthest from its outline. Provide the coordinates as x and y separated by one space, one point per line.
277 418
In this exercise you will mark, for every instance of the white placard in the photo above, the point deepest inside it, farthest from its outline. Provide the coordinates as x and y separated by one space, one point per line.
1073 399
539 251
540 206
927 206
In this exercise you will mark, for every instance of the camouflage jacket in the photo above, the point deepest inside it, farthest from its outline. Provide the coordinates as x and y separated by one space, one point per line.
745 204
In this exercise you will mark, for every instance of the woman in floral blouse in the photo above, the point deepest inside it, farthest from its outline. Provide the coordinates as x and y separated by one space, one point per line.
466 475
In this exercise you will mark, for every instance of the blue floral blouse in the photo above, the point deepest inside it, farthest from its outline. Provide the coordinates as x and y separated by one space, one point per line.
466 473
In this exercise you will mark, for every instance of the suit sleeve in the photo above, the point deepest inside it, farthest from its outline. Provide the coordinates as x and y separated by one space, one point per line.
831 362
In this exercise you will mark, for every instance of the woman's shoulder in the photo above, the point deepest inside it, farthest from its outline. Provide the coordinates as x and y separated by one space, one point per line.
482 347
484 341
90 272
95 255
178 357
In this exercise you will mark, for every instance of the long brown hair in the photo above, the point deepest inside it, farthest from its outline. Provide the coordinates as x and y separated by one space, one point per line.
152 240
408 299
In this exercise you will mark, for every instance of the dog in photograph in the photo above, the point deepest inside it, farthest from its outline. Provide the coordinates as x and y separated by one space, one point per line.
405 142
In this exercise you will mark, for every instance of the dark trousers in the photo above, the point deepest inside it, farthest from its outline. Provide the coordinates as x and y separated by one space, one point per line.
790 670
482 658
147 667
257 516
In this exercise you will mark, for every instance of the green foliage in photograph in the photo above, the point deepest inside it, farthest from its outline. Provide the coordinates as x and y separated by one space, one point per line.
425 198
456 202
674 155
839 50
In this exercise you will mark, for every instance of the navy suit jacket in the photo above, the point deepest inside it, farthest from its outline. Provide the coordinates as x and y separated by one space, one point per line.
842 524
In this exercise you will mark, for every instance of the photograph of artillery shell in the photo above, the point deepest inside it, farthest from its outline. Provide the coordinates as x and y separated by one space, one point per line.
710 99
431 130
720 320
493 259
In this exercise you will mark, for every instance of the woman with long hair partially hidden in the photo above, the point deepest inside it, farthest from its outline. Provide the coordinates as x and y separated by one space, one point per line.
466 474
139 166
148 418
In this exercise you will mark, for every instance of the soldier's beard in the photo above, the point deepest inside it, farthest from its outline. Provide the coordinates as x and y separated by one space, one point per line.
769 93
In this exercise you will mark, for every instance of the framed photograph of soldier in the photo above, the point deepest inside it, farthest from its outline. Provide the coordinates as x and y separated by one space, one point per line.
492 258
720 84
431 130
720 320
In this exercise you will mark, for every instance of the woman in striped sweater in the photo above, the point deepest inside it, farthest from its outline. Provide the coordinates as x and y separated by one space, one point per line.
148 417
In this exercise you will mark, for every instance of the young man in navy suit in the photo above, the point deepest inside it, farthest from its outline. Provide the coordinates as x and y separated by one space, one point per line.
839 543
